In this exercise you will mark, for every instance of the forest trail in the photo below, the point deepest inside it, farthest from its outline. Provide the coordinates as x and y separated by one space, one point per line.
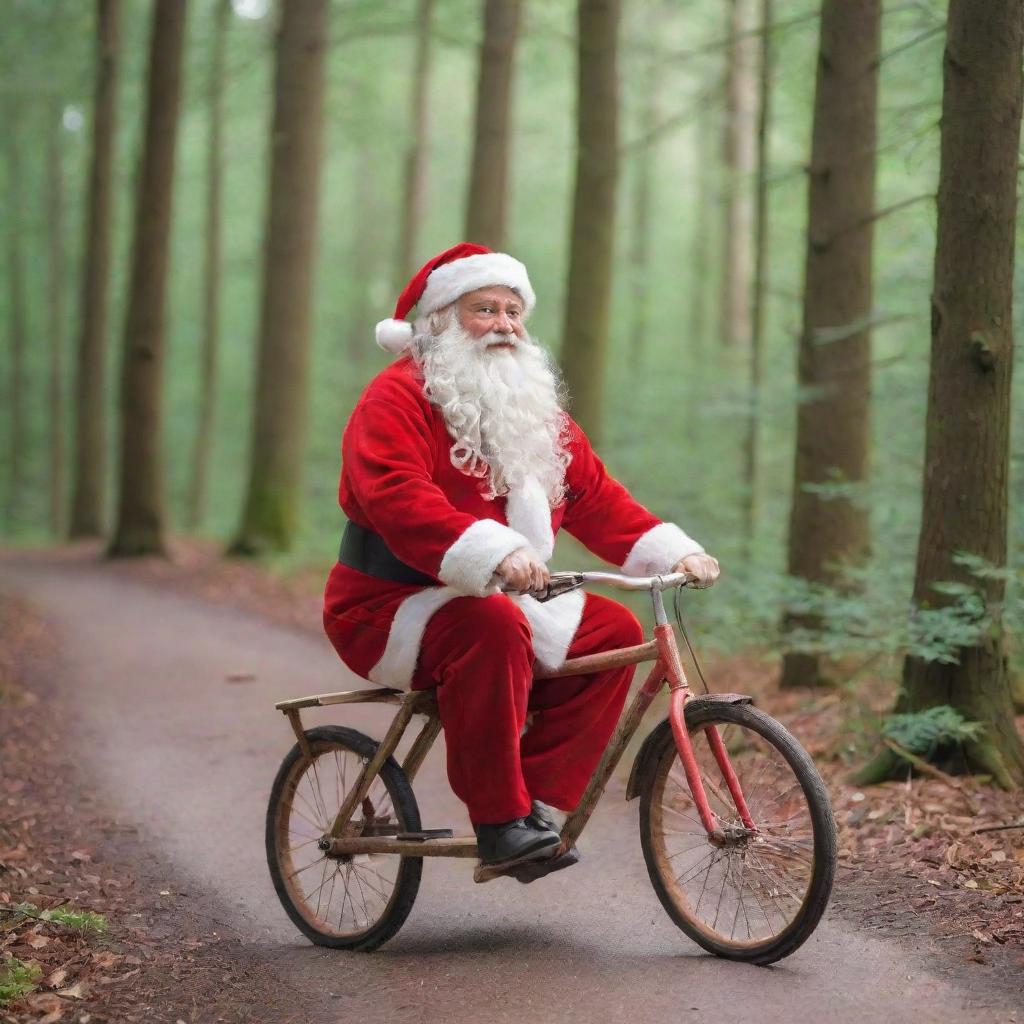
187 755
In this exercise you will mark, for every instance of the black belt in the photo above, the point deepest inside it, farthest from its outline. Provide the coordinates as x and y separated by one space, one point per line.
365 551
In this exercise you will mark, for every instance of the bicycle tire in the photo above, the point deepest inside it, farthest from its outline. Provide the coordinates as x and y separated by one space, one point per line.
311 920
775 842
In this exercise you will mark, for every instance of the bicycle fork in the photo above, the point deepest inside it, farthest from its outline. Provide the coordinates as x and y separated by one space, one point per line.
679 693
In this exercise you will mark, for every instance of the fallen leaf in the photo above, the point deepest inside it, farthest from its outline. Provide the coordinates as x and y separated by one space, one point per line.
56 979
76 991
83 856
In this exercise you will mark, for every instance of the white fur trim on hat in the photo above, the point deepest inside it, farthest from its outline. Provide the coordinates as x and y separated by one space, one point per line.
452 280
658 550
394 335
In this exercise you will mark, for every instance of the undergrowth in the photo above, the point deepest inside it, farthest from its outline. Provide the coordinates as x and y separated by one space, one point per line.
17 979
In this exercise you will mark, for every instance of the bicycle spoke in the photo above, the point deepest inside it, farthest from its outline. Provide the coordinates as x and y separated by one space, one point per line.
330 895
721 894
319 888
372 889
694 870
306 867
703 888
774 882
362 896
315 811
682 814
318 797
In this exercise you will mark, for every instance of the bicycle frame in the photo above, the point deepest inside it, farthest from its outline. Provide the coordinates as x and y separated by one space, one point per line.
342 837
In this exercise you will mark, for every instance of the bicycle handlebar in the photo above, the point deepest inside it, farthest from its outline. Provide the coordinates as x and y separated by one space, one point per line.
563 582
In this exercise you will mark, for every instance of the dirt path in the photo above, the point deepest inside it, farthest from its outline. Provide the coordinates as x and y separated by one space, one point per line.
188 756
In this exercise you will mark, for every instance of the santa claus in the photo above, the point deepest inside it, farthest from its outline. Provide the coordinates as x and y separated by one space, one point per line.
459 466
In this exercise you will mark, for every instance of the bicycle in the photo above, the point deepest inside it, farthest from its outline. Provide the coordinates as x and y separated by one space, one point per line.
735 824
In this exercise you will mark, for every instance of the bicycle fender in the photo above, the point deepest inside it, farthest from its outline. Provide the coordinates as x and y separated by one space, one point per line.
643 755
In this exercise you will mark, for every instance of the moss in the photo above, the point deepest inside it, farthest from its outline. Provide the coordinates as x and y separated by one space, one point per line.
17 979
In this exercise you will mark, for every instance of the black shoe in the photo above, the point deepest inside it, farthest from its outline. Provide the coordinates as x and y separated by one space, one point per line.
543 817
514 842
534 869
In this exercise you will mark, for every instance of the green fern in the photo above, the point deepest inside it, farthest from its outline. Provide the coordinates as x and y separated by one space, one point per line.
926 732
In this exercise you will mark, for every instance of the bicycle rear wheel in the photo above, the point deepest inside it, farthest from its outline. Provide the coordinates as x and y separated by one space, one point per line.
348 902
758 897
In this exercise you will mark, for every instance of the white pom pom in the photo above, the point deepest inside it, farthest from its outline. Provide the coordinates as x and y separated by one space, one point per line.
394 335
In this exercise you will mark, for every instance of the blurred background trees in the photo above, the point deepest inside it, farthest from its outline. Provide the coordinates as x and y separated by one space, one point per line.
728 212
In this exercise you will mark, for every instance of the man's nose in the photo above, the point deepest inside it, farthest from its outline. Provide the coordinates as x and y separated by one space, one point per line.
503 324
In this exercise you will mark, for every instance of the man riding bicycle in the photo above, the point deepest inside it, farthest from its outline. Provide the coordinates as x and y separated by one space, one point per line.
459 465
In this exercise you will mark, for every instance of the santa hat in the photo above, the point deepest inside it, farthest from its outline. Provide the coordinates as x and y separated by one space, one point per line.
439 282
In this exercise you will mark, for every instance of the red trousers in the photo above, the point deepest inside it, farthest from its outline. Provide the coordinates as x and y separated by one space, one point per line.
477 652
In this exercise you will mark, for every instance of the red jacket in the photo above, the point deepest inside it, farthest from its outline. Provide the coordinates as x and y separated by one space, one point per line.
397 479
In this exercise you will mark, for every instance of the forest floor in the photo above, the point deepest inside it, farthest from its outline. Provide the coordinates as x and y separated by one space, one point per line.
82 903
914 863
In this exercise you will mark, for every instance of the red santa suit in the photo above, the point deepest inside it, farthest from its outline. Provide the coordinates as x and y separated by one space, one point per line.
474 644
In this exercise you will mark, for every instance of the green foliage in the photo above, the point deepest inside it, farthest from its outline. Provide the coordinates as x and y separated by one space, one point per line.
926 733
867 615
17 979
85 921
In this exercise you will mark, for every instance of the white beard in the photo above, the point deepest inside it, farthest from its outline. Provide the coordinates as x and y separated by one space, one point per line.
502 406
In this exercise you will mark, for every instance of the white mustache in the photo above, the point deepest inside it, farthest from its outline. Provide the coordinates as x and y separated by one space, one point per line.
495 338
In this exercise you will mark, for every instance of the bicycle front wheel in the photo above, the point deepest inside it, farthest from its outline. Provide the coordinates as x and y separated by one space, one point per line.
760 895
349 902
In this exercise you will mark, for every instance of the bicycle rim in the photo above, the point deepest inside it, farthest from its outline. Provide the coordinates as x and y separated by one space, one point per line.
354 901
758 896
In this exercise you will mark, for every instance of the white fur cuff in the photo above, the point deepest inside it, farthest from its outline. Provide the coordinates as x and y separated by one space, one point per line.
469 563
658 550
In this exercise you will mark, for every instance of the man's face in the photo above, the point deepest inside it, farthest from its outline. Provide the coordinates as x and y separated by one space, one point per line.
496 311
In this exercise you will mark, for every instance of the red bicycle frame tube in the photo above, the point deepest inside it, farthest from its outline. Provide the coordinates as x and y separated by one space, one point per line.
679 693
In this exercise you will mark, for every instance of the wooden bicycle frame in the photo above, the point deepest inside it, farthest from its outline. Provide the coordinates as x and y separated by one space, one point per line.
342 839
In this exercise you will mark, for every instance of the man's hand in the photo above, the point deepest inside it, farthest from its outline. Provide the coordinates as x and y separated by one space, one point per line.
523 570
704 567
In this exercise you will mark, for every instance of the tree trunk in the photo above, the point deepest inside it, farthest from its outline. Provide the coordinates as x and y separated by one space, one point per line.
140 519
211 272
704 158
16 300
487 205
740 152
833 428
645 162
55 306
588 297
282 384
967 440
364 260
414 181
90 458
750 447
